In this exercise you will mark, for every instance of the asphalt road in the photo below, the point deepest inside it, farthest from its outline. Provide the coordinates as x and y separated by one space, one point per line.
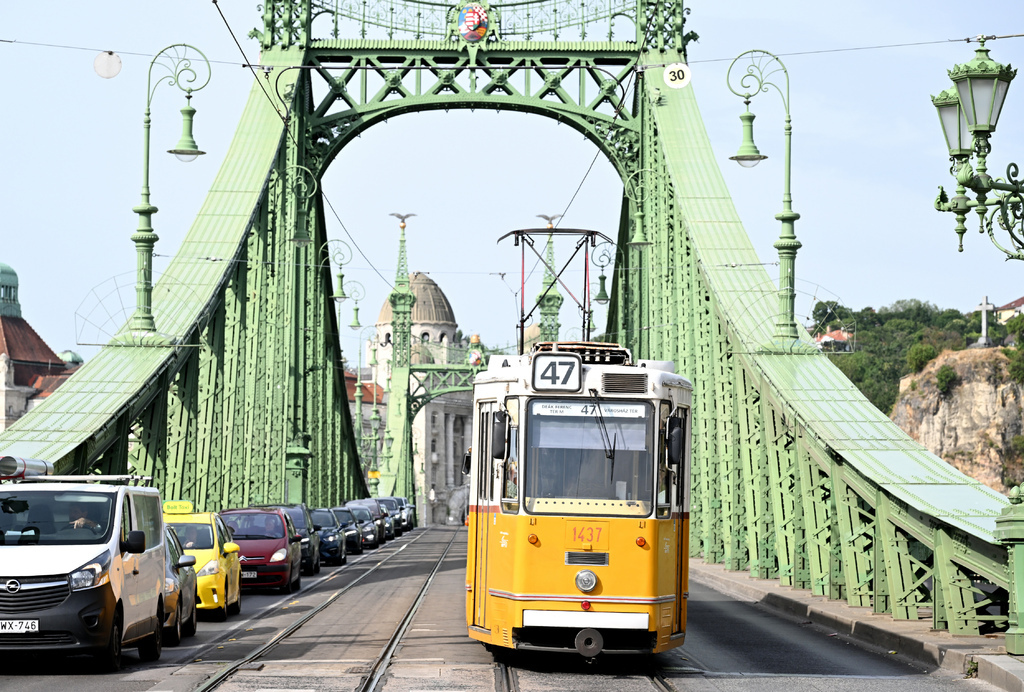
730 645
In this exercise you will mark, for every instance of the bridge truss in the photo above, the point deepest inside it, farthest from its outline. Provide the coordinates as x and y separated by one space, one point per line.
796 476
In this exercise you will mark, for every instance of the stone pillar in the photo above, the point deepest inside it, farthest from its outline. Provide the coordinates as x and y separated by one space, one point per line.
449 450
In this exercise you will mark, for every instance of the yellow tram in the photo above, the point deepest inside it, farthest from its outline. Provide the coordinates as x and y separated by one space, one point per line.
579 502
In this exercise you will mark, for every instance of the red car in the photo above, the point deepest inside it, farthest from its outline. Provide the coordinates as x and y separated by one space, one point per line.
271 549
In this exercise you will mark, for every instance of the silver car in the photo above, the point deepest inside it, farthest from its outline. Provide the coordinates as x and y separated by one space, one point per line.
179 591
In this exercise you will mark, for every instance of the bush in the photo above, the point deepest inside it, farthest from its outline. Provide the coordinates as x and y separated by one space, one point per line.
945 379
919 355
1017 444
1015 368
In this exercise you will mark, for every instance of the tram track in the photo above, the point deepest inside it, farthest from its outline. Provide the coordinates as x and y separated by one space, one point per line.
223 675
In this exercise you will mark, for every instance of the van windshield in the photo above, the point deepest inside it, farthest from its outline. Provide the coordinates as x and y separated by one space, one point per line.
55 517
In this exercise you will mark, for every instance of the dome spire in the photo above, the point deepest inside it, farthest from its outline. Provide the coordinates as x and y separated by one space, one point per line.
550 299
9 305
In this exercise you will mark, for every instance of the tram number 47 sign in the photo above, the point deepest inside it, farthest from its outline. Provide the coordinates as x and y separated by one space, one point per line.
557 372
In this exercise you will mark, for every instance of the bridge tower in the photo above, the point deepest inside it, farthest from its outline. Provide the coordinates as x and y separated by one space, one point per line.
550 300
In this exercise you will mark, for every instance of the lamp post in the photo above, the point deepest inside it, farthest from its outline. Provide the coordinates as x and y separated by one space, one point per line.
359 384
756 76
178 63
968 112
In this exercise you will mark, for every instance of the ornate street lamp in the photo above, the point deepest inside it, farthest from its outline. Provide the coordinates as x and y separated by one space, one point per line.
178 63
756 77
604 255
968 113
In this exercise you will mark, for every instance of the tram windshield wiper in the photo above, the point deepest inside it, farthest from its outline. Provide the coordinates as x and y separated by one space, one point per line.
608 442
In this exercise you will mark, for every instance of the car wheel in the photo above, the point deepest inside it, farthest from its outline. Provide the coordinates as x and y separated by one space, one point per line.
344 556
316 565
151 646
298 582
189 628
172 634
289 585
236 607
109 659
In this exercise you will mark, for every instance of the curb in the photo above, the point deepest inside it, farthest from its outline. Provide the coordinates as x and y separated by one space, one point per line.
913 639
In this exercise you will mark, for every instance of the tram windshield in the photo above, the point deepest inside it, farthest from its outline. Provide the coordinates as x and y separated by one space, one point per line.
588 457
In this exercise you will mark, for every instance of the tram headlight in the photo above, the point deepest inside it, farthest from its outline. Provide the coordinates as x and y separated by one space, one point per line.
586 580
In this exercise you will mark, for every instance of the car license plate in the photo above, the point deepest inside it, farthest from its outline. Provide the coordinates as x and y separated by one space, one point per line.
250 574
19 626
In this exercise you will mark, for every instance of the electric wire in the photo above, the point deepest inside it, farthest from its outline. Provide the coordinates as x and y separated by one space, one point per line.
285 118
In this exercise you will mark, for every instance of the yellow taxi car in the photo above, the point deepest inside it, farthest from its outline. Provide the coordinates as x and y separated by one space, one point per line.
218 571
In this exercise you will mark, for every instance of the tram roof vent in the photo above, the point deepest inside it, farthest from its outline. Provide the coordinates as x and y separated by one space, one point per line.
592 352
624 383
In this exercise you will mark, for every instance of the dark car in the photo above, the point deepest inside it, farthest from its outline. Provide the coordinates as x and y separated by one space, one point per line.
380 517
399 509
360 533
309 531
391 504
270 551
332 537
410 512
179 590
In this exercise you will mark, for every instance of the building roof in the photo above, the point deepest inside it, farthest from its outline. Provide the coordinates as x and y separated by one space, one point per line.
1012 306
20 342
368 389
431 303
834 335
45 385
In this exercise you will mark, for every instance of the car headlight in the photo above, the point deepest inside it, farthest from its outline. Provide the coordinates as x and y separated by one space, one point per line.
95 573
351 532
169 585
368 529
305 540
209 568
333 537
586 580
279 555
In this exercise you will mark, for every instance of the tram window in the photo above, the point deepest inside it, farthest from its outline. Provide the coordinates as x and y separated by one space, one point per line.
510 475
578 461
664 504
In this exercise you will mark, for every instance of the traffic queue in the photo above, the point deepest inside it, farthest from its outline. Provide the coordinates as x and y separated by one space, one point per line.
95 564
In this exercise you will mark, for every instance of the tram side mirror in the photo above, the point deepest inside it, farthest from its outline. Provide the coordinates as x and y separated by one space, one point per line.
467 460
675 440
498 428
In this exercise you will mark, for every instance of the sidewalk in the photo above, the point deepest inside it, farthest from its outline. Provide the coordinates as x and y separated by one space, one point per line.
911 638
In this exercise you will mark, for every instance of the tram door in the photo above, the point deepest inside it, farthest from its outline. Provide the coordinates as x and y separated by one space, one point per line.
484 483
680 509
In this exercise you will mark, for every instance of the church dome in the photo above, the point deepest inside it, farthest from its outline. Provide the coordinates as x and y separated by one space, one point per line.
431 307
9 305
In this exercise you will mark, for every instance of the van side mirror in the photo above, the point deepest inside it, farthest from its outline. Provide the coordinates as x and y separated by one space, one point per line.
499 425
675 440
136 542
467 461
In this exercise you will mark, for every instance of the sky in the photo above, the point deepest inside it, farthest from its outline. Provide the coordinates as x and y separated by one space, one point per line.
867 160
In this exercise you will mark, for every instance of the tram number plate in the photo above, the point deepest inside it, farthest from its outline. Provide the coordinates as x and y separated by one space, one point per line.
19 626
587 535
249 574
557 372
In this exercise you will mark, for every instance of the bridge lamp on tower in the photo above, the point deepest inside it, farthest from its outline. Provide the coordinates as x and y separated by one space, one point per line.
968 112
756 76
190 72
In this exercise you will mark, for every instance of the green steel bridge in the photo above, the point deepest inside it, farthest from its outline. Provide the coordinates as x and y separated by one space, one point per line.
239 396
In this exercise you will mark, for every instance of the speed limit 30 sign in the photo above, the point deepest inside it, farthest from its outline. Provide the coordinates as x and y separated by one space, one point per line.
677 75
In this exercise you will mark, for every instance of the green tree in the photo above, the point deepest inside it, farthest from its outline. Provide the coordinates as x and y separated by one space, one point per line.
919 355
945 379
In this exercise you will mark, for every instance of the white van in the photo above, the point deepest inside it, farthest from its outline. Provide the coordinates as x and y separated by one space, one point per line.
81 568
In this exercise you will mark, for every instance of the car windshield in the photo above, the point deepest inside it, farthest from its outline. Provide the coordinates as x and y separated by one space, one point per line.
324 518
374 510
298 516
345 516
360 513
390 504
254 526
194 536
589 450
55 517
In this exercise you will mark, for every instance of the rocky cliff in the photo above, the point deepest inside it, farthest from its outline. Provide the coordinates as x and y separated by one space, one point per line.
973 425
